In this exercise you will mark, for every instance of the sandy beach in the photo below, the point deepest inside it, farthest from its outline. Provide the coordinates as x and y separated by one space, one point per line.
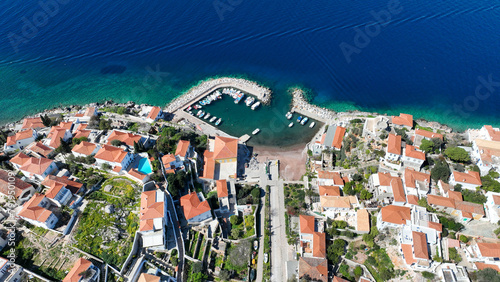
292 159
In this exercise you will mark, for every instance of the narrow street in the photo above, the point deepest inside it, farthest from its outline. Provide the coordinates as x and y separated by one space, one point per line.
279 244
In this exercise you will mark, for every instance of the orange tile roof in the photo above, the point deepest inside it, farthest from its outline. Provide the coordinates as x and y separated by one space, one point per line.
137 174
146 225
89 111
362 220
455 195
55 135
394 144
403 119
80 266
21 135
209 165
154 112
338 279
329 190
84 148
420 245
124 137
335 202
41 149
306 223
6 184
32 211
111 154
412 199
66 125
452 243
82 126
335 176
397 190
82 133
192 206
144 277
496 199
395 214
471 177
435 225
35 122
117 168
182 148
408 254
167 159
225 148
446 186
73 186
411 177
54 190
319 244
482 266
494 134
385 178
470 207
413 153
338 137
20 159
221 188
491 250
428 134
315 268
440 201
36 166
150 208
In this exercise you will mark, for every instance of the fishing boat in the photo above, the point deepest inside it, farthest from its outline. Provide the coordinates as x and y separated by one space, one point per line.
312 124
207 116
291 124
299 118
254 106
256 131
304 121
189 108
249 101
238 98
289 115
199 113
218 121
213 118
202 114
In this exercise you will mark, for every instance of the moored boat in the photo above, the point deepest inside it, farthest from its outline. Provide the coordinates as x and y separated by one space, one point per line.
256 131
304 121
299 118
291 124
289 115
218 121
199 113
249 101
202 114
207 116
213 118
312 124
254 106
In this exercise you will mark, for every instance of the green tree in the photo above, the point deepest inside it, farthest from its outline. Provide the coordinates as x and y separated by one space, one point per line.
428 275
457 154
365 195
464 239
454 255
235 220
335 250
116 142
255 193
358 271
427 146
440 171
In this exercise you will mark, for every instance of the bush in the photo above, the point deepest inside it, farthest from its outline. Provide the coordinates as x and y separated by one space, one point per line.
428 275
335 250
235 220
457 154
440 171
464 239
116 142
454 256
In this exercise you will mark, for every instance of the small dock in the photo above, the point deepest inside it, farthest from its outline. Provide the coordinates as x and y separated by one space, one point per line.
244 138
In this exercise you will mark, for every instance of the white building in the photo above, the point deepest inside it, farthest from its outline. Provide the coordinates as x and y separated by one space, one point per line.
153 219
37 212
393 152
114 156
20 140
413 158
492 207
196 209
469 180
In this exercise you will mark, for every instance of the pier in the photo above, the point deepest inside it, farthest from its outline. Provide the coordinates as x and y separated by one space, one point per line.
196 93
301 106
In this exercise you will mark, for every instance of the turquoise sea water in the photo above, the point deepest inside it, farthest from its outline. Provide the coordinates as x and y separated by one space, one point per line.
426 61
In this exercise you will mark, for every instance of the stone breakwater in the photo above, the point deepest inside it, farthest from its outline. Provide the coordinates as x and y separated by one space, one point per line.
206 87
301 105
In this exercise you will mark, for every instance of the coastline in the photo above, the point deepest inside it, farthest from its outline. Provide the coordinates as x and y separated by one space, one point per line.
299 103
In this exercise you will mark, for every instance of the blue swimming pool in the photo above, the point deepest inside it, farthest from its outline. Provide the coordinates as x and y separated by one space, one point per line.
144 166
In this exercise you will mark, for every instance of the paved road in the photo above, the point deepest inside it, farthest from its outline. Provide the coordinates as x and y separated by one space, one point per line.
279 245
260 259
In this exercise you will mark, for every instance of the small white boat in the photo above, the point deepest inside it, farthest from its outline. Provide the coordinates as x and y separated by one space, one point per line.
207 116
256 131
289 115
304 121
218 121
213 118
291 124
255 106
312 124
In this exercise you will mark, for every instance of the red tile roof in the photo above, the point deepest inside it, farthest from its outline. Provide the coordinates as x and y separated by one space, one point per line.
482 266
192 206
455 195
20 159
137 174
124 137
209 165
66 125
411 177
335 176
420 245
394 144
221 188
32 123
306 224
428 134
73 186
80 266
36 166
395 214
408 254
21 135
111 154
338 137
84 148
403 119
435 225
82 133
150 207
32 211
182 147
154 112
55 135
413 153
41 149
440 201
319 245
225 148
471 177
491 250
362 220
329 190
412 199
8 182
494 134
315 268
397 190
470 207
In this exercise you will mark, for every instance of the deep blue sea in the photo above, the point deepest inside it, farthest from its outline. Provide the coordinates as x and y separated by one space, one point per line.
429 58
